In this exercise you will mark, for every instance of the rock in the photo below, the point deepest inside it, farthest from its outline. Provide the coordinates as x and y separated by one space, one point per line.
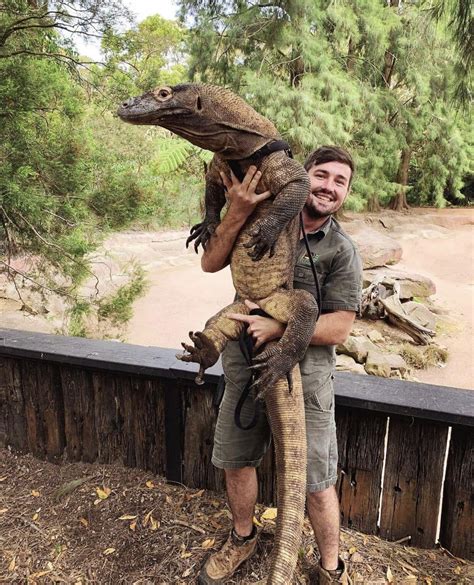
421 314
377 364
411 285
397 363
356 347
375 336
347 364
376 249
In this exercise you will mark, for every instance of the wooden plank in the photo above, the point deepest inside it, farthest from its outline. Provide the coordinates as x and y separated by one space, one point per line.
174 431
44 409
79 417
144 411
199 422
108 419
413 478
360 437
12 407
267 480
457 517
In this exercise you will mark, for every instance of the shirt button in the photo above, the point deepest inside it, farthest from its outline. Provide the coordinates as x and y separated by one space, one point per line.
299 273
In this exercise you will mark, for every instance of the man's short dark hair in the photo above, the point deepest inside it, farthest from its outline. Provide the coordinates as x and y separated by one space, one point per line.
325 154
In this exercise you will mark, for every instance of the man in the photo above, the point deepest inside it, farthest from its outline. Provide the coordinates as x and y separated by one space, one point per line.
239 451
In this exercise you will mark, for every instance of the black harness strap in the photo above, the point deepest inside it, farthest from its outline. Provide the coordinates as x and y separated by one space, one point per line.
267 149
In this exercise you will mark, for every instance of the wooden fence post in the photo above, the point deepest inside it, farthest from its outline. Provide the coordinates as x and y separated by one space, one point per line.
360 436
456 520
413 477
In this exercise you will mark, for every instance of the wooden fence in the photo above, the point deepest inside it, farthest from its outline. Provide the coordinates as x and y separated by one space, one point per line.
73 399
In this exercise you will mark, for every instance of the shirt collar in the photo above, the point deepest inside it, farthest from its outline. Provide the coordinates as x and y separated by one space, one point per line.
322 231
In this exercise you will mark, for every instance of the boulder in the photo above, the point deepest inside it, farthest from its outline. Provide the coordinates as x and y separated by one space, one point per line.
347 364
411 285
377 364
357 347
376 249
375 336
397 363
421 314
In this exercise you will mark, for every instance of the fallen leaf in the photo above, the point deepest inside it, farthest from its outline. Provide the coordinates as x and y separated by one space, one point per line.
196 495
310 551
389 575
168 500
103 493
147 518
35 493
149 484
269 514
109 551
208 543
3 510
457 570
84 522
154 523
352 550
39 574
256 522
3 478
70 486
12 565
186 555
127 517
187 572
357 558
133 526
35 516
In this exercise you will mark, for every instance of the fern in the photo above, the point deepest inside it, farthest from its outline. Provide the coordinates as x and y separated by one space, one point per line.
173 152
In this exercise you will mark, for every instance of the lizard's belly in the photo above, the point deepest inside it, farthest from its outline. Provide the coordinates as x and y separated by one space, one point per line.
257 280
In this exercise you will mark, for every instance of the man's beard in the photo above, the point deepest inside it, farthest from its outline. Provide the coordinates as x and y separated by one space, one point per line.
315 213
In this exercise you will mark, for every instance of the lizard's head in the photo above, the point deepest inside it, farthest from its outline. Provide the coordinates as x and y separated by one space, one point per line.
209 116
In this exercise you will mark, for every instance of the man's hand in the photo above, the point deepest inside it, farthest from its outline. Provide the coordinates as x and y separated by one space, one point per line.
262 329
242 197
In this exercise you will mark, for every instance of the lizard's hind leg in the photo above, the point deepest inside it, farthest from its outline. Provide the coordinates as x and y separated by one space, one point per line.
299 310
210 343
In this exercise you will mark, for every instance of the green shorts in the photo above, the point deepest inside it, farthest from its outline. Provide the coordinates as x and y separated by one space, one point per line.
235 448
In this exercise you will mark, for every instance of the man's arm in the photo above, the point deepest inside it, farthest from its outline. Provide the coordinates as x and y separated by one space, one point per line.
331 328
242 200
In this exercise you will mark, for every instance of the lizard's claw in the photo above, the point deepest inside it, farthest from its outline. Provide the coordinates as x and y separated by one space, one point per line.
201 232
262 239
202 352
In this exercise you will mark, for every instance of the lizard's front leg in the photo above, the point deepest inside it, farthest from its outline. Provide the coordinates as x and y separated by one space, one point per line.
210 343
214 201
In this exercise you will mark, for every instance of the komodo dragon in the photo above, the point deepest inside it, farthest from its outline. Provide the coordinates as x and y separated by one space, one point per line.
216 119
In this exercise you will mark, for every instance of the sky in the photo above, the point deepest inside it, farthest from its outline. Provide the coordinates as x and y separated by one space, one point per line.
141 9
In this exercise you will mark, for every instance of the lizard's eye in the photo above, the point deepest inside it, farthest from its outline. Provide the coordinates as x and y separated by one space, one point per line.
164 93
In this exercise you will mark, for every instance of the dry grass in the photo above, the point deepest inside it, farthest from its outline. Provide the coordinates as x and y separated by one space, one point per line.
112 525
422 357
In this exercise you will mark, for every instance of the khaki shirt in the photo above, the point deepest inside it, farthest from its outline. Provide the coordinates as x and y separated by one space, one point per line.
339 269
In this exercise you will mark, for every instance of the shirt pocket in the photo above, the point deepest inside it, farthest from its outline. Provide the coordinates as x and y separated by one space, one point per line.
304 275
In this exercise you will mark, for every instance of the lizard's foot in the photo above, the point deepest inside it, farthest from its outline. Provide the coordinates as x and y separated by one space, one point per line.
263 239
272 365
202 352
201 232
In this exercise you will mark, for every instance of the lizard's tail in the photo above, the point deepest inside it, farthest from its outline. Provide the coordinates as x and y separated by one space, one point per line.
286 413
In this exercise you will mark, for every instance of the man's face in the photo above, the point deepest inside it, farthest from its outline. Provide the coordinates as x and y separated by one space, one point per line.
330 184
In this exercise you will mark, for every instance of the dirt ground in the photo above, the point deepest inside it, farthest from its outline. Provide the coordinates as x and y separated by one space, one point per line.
78 523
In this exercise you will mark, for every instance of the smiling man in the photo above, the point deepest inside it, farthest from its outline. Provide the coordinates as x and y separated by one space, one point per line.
239 451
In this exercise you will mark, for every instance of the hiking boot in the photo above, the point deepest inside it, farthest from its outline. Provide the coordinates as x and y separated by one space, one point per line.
325 577
223 564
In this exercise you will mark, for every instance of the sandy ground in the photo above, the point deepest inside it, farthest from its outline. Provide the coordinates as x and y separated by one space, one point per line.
180 297
438 244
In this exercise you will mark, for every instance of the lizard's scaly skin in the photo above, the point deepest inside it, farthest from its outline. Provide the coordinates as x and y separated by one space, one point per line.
215 118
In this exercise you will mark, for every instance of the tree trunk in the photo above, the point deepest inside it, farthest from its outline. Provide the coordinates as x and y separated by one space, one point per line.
399 202
373 204
350 61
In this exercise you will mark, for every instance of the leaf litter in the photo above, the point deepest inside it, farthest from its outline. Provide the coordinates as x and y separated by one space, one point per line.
144 530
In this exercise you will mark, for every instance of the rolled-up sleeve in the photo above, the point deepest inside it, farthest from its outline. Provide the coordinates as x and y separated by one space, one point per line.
342 288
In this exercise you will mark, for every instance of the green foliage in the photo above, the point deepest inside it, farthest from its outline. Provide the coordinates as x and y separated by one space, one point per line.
118 308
